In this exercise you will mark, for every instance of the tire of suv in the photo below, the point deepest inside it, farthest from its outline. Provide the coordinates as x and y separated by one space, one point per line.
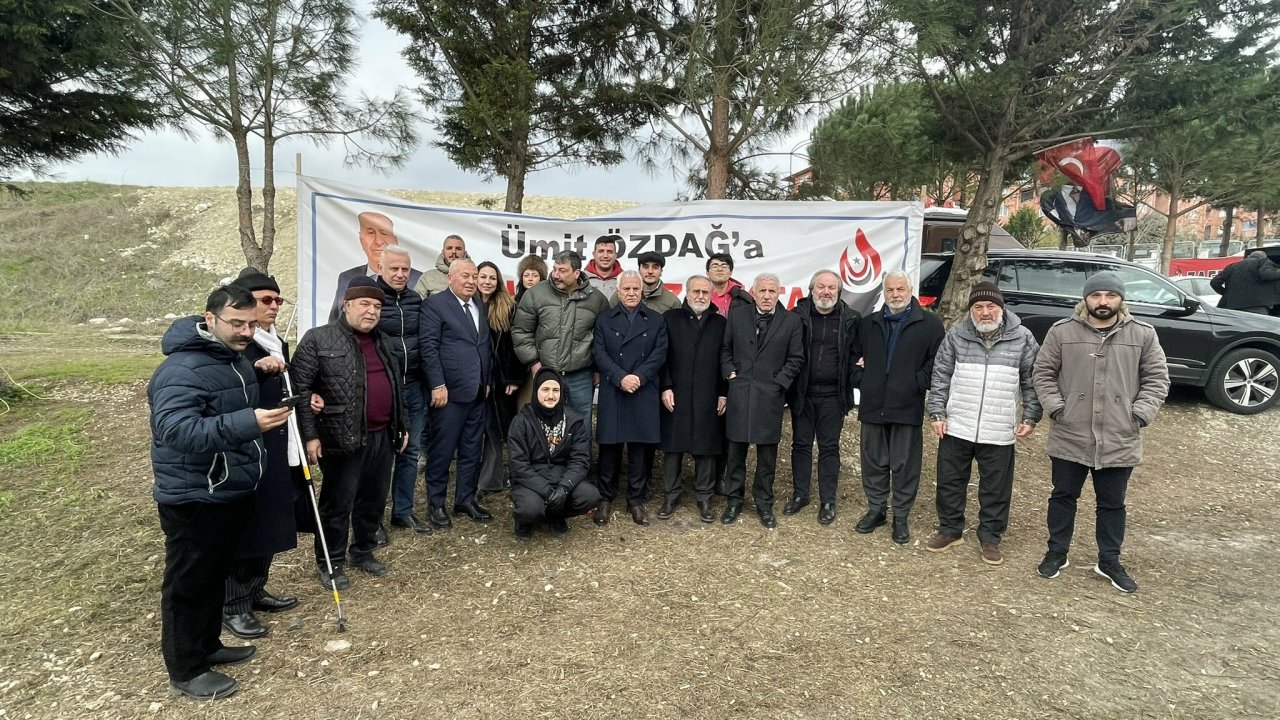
1245 381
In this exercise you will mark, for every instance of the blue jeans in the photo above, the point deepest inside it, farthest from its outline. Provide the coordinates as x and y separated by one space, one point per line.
405 475
581 390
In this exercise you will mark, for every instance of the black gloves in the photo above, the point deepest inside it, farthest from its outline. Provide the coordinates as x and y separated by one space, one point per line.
556 500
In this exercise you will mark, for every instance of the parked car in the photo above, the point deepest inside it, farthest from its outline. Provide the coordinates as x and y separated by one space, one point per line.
1232 355
1197 287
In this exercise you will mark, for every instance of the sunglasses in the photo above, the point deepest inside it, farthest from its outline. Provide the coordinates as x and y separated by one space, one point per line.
269 301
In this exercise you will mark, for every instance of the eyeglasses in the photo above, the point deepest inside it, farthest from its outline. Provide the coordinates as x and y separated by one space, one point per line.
272 300
238 325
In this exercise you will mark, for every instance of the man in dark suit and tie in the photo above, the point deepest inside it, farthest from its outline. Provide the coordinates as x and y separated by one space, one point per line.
453 338
762 354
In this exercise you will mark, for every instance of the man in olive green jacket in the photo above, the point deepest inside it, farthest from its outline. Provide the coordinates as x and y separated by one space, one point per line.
554 325
1101 376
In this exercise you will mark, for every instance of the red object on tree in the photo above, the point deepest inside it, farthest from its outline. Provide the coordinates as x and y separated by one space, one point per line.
1085 164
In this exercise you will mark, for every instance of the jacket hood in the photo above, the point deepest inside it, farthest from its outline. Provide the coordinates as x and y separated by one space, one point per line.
591 269
189 334
733 283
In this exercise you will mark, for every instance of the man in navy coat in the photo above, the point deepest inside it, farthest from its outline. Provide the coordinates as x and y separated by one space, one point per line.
453 337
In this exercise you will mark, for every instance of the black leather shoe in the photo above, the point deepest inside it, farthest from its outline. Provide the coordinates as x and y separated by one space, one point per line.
524 533
559 527
705 513
731 512
667 510
900 532
767 519
370 565
411 522
473 511
638 515
209 685
244 625
601 515
233 655
339 578
439 518
272 603
870 521
795 505
826 513
381 537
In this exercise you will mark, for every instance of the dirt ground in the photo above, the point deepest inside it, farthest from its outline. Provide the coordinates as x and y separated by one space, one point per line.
679 619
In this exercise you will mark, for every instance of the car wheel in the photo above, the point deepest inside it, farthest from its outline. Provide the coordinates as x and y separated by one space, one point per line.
1245 381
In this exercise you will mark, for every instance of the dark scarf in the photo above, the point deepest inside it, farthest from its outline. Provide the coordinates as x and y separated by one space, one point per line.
893 324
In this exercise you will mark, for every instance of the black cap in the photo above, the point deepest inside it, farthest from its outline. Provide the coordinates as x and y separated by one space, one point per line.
651 257
363 287
251 278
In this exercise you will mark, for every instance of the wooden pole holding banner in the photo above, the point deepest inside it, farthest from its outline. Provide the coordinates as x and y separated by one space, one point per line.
297 164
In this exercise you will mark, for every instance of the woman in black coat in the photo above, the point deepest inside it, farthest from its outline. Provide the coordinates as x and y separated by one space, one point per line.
550 451
508 375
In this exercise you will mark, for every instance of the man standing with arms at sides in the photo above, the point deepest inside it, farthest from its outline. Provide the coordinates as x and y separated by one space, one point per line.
896 347
207 457
398 323
981 384
351 366
554 326
823 393
436 279
604 268
726 293
762 354
376 232
1102 377
458 362
693 397
630 347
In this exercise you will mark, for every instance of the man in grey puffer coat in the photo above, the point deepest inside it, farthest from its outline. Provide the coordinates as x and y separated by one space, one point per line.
1102 377
980 401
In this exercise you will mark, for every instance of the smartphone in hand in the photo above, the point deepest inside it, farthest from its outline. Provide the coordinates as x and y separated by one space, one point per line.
294 400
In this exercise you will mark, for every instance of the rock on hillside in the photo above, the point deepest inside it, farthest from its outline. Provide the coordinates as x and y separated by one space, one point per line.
204 219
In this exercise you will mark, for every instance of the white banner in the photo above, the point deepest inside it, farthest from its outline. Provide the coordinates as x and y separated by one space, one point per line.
859 240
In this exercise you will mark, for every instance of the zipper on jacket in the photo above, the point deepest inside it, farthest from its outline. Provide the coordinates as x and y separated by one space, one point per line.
403 345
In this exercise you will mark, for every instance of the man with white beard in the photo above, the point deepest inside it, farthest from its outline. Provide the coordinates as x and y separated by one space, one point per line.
822 394
981 400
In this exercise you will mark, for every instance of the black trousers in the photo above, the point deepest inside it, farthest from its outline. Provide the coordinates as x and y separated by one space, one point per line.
1109 488
891 460
246 582
352 496
529 507
822 419
610 469
457 429
200 542
736 474
704 479
995 486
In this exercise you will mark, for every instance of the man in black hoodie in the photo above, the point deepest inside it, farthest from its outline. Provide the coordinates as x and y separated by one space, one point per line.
896 347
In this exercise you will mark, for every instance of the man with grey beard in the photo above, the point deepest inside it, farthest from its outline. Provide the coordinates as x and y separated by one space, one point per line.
981 400
896 346
694 397
822 394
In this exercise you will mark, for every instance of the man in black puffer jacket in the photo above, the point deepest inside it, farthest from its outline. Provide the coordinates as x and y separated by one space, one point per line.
207 456
350 365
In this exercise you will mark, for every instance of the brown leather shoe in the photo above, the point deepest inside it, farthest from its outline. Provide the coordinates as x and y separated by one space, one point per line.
602 512
939 542
991 554
705 513
638 514
667 510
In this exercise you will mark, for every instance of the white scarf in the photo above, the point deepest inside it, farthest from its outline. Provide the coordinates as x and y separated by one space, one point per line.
267 340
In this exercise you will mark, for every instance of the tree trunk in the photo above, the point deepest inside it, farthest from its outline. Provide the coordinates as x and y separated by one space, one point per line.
517 169
1062 238
1228 220
1133 245
971 246
717 158
244 201
268 198
1257 230
719 153
1170 235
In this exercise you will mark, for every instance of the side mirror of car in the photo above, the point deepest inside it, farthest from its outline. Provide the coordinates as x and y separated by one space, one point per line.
1190 304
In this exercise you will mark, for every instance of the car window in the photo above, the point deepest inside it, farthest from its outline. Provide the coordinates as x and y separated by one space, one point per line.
1144 287
1044 276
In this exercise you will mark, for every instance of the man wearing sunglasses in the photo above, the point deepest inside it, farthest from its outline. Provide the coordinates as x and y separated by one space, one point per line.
207 457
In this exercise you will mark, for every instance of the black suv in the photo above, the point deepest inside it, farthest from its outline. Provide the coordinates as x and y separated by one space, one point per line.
1232 355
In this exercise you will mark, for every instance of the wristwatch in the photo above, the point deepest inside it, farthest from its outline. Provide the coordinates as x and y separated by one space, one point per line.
938 417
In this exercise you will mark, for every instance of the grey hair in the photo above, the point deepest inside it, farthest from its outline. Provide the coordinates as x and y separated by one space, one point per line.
460 262
814 280
568 257
689 283
629 274
396 250
1258 254
898 275
765 276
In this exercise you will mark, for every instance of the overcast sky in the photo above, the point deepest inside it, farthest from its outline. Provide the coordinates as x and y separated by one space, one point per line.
169 158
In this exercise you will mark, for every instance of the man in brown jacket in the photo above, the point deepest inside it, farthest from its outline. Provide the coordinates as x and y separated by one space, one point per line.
1101 376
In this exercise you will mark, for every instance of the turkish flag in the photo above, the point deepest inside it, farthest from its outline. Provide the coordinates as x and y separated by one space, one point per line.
1085 164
